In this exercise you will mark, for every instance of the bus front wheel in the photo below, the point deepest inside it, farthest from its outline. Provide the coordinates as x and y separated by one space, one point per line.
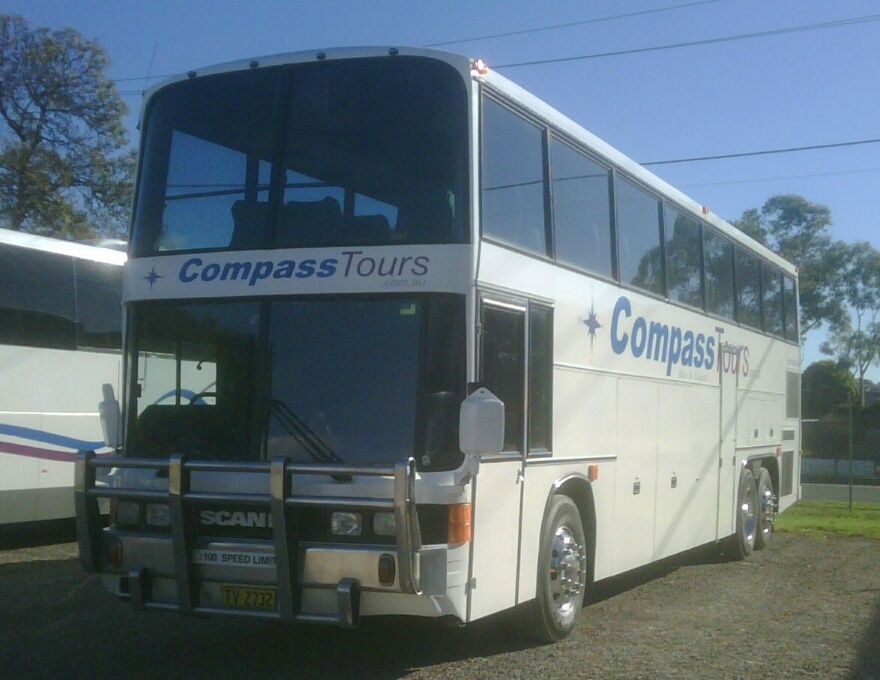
562 574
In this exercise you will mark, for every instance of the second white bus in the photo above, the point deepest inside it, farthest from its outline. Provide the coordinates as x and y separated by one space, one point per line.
60 343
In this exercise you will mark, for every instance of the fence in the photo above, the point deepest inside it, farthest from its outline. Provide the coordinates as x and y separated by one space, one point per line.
826 445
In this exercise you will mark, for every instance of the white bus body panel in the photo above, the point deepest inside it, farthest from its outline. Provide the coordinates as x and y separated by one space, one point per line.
669 431
48 411
495 536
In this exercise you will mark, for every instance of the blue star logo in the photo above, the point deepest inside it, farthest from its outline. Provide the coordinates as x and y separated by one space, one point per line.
592 323
152 277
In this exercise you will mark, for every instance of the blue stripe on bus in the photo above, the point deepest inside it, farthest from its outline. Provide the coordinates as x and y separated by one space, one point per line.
49 438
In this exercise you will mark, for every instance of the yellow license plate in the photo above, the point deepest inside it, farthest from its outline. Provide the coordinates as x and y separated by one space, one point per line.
248 597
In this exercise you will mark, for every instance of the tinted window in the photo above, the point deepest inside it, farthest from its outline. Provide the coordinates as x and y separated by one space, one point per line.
374 153
206 162
771 290
638 238
502 361
512 179
748 289
684 259
790 303
718 255
581 210
792 394
540 377
37 301
347 152
98 304
356 380
345 390
196 366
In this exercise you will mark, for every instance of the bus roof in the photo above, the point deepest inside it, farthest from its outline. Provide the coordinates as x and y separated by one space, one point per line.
460 62
54 245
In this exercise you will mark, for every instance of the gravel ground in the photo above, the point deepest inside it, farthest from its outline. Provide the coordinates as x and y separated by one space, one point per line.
806 608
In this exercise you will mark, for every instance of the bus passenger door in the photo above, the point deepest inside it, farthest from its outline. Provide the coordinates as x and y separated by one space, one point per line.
497 490
728 472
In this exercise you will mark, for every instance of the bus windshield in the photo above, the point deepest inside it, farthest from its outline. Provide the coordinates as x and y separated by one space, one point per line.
329 153
337 381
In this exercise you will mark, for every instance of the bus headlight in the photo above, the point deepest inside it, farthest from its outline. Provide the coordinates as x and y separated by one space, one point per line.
158 515
384 524
127 512
345 523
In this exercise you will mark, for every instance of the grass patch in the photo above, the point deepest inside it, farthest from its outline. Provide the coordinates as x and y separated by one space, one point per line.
825 518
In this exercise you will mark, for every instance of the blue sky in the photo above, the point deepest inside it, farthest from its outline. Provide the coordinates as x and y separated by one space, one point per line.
791 89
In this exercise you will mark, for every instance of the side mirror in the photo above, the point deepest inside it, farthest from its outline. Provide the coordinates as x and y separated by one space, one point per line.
110 417
481 424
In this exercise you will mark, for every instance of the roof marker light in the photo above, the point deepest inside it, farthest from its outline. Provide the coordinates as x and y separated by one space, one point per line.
479 68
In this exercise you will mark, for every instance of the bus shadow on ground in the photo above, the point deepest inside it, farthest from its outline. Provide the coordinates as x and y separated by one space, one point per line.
50 604
393 645
611 587
867 662
32 534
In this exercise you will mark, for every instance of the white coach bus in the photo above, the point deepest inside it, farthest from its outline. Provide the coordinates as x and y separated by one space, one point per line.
60 342
435 350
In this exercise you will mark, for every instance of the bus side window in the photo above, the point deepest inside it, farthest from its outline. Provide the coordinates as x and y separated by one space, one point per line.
502 361
512 198
540 378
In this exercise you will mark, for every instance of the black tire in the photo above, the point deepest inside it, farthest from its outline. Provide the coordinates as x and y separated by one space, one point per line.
766 509
562 574
742 543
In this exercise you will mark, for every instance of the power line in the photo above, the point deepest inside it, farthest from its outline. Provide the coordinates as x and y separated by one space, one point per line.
696 43
569 24
147 77
765 152
489 37
762 152
638 50
774 179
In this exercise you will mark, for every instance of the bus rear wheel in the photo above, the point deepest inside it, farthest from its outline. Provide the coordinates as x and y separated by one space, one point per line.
766 509
742 543
562 574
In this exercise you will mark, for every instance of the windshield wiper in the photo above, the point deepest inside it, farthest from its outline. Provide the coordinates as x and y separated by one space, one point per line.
304 435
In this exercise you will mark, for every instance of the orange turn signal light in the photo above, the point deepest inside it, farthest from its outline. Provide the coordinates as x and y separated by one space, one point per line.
459 528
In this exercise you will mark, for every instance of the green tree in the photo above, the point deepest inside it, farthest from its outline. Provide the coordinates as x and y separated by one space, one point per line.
797 230
66 167
854 339
825 385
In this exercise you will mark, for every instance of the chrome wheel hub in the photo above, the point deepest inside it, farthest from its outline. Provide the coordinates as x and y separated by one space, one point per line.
748 512
768 511
568 568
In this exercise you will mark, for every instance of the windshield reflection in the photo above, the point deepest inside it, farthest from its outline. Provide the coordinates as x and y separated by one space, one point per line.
349 380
